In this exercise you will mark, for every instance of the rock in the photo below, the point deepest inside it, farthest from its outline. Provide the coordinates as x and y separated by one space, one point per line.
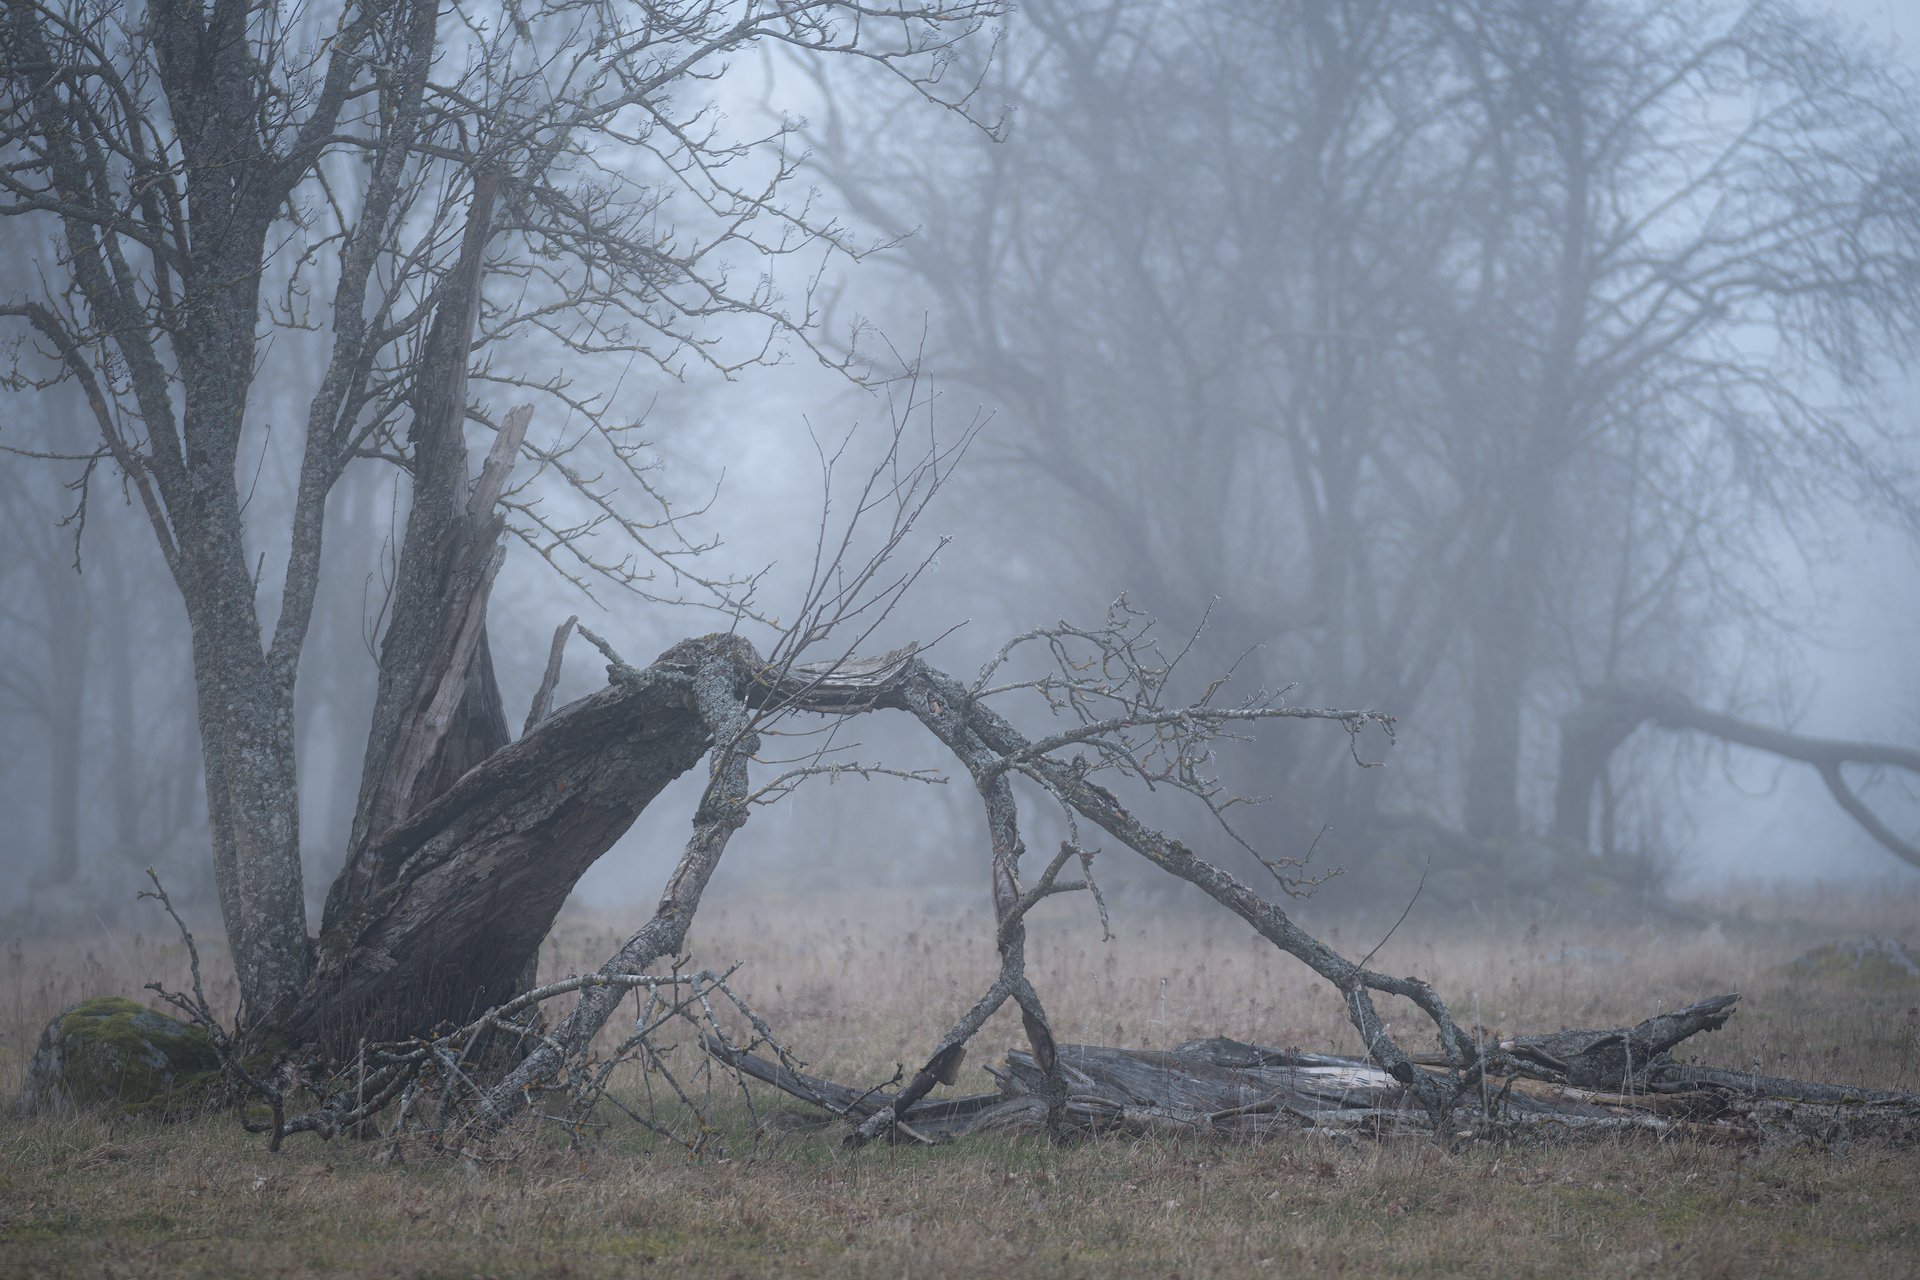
110 1053
1875 960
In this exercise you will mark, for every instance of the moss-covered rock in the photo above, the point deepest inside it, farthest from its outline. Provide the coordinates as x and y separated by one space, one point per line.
110 1053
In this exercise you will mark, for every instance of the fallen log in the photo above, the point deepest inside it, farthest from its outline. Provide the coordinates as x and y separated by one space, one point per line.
1626 1059
1566 1085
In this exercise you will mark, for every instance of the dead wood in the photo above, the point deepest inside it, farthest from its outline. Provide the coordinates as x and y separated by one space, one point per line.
1224 1088
479 873
1623 1059
477 876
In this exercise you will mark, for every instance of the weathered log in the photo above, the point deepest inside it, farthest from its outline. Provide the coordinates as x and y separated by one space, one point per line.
1621 1059
1224 1088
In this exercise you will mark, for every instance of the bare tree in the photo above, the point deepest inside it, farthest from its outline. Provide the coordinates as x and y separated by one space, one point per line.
219 174
1662 293
1191 308
1610 714
1469 351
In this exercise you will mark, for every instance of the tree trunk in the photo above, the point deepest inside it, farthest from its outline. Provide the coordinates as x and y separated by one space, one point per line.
69 627
244 692
245 711
246 718
1500 662
437 713
246 742
122 722
1589 735
474 879
1502 639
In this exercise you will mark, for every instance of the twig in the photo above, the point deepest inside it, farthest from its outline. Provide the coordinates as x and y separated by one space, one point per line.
1403 915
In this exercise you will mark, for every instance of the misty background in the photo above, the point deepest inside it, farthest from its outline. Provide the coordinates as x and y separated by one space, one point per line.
1254 307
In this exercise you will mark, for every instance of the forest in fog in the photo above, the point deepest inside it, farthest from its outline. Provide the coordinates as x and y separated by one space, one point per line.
1494 365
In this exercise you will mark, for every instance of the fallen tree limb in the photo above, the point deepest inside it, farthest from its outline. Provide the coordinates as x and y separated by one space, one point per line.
531 818
1223 1088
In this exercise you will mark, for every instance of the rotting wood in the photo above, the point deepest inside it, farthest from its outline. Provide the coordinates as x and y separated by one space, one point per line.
527 821
1226 1089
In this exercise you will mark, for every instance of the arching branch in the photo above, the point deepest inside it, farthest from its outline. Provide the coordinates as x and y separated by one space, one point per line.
1594 730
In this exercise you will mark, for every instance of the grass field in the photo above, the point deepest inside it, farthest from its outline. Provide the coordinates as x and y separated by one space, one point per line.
857 985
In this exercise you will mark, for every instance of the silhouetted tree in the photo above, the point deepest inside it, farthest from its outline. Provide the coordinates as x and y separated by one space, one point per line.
1466 352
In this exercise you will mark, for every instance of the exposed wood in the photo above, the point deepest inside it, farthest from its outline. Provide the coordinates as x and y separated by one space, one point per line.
846 684
542 703
1223 1088
479 874
1619 1058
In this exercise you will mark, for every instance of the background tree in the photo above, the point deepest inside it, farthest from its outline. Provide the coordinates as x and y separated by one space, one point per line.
1465 351
47 683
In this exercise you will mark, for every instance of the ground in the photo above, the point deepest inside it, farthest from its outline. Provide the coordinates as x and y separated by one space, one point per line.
858 985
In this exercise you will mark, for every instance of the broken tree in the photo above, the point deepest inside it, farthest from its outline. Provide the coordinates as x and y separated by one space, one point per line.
464 844
459 184
340 216
1568 1084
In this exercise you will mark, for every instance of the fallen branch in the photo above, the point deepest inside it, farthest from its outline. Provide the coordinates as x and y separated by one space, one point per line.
1223 1088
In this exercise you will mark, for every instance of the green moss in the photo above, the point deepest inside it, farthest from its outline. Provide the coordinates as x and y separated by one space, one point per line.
111 1052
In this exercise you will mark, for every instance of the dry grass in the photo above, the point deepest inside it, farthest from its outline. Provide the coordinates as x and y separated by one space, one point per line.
858 985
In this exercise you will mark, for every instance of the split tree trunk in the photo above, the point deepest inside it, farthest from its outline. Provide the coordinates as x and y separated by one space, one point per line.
437 718
470 884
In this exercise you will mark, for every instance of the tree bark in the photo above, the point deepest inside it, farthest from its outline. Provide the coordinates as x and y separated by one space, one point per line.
473 880
1620 1078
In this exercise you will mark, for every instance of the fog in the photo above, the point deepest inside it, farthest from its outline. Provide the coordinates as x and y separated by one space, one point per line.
1284 332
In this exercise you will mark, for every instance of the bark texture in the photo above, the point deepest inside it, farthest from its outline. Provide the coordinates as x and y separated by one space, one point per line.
1564 1085
472 882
